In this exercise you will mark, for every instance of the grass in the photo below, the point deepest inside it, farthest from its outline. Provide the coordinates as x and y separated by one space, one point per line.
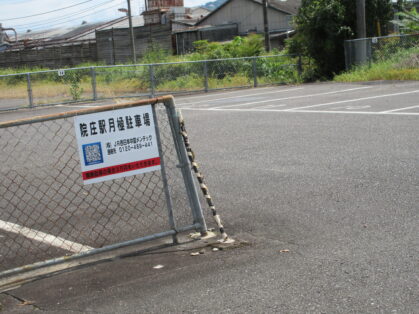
402 65
61 92
112 82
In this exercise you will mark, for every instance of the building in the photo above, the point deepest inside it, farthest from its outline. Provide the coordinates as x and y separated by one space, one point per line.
248 15
65 46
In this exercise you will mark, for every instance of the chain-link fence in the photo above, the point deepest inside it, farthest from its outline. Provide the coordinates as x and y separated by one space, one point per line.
146 80
376 49
47 212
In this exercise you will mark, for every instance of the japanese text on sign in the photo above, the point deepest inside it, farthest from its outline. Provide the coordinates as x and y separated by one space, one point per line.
115 144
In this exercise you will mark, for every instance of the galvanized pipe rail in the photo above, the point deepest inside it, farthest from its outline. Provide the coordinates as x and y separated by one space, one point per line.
94 71
185 166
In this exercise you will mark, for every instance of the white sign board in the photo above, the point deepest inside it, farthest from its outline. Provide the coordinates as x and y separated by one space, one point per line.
116 144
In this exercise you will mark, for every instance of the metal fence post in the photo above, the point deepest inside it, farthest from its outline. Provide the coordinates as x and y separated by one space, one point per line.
152 80
185 165
206 76
348 54
117 206
300 66
169 202
29 85
93 76
254 71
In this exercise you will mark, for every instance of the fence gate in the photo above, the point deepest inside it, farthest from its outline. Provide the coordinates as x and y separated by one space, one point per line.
84 182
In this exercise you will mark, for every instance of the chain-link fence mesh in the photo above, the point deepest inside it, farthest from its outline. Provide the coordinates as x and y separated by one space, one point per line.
229 73
47 212
122 81
178 77
278 69
377 49
104 82
61 86
13 91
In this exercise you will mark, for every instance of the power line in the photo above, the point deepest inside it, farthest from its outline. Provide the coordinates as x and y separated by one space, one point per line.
73 19
24 17
59 18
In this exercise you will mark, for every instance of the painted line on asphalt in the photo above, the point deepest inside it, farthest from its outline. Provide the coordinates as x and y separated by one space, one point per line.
307 111
401 109
272 106
247 95
356 112
291 97
225 92
43 237
353 100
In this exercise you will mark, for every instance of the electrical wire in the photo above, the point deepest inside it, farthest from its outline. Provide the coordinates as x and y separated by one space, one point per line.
59 18
24 17
73 19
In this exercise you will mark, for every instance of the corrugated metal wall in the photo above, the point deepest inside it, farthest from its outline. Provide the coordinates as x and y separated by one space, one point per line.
70 54
113 45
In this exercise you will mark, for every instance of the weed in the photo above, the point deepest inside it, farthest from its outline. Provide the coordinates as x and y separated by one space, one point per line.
402 65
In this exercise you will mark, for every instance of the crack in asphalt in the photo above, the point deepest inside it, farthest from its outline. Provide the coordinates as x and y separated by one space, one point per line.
23 301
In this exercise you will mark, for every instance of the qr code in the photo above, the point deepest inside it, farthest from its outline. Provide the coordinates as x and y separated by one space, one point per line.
92 154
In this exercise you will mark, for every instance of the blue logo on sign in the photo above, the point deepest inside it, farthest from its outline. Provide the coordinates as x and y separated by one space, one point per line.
92 154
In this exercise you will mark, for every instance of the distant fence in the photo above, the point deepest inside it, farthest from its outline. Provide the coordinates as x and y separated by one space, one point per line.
114 45
373 49
144 80
53 212
50 56
111 46
185 38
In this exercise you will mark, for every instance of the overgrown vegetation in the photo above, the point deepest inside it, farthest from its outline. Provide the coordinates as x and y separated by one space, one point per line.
408 21
394 60
221 70
403 65
74 79
323 25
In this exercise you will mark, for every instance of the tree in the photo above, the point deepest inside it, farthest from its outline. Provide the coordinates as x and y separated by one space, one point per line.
323 25
408 21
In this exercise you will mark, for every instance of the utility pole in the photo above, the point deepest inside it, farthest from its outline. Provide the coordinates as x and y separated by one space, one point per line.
266 25
361 45
360 19
131 30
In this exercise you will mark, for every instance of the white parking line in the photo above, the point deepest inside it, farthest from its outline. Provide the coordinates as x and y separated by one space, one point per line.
44 237
308 111
400 109
247 95
225 92
272 106
356 112
353 100
292 97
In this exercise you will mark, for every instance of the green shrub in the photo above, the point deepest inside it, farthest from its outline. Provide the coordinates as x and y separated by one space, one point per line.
74 78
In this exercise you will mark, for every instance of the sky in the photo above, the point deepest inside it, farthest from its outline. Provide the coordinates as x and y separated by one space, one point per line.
29 14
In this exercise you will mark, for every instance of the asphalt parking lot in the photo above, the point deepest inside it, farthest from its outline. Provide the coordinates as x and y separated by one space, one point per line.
321 180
